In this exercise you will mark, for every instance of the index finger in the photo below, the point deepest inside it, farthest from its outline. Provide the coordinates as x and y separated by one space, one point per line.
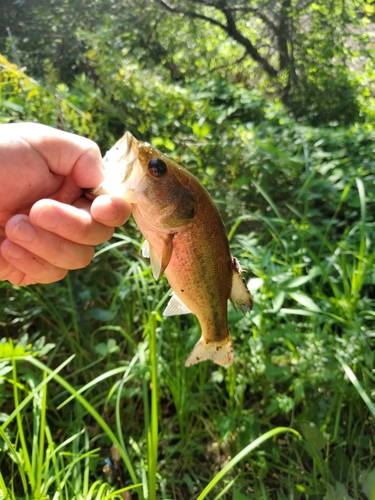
64 153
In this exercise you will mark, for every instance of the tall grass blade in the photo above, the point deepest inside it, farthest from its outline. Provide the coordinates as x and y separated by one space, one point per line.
99 379
15 457
122 490
154 430
42 435
360 267
25 452
227 488
3 488
353 379
98 418
28 398
268 199
242 454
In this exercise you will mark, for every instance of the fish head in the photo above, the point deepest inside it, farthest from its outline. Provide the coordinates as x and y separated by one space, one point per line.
119 164
156 185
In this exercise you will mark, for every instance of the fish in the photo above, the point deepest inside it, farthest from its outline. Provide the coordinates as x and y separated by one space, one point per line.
185 239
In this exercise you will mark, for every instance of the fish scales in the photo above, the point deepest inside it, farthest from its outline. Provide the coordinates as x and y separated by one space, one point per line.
209 282
185 238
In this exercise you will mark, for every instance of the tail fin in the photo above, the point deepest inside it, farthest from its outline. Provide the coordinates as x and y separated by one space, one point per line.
220 352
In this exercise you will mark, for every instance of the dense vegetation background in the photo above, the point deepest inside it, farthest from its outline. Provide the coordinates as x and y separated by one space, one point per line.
270 104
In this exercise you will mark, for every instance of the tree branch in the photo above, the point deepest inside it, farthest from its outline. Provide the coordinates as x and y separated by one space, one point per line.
231 30
239 8
228 65
234 33
191 13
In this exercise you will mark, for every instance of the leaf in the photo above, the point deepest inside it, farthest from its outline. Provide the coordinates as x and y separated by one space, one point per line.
101 314
13 106
301 280
39 343
106 348
217 377
225 425
101 349
367 480
305 301
237 495
45 349
339 492
299 312
112 345
163 142
189 482
5 368
313 435
278 300
201 130
6 63
6 350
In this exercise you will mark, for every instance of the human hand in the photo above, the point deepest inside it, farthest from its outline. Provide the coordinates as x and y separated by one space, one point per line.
47 226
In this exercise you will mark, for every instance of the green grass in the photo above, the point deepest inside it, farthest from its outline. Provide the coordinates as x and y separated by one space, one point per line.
202 432
89 363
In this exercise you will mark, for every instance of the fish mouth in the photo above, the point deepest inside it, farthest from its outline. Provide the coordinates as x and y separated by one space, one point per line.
121 151
118 165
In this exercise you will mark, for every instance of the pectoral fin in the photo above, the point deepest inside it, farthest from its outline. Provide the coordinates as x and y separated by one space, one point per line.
175 307
159 261
240 295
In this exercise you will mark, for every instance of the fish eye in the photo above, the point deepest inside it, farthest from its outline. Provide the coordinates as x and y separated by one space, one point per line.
157 167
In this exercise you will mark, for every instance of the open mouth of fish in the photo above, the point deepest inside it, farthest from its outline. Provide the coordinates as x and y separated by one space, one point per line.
121 172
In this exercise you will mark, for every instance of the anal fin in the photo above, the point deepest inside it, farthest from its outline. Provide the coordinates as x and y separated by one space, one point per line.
175 307
220 352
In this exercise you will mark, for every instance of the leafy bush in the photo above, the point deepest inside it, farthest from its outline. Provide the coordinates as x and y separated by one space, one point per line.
298 205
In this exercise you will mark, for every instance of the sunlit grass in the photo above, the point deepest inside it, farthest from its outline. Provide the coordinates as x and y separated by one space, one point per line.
115 374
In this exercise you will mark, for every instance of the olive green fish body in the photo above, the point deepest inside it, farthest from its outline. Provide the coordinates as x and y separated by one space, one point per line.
199 270
185 238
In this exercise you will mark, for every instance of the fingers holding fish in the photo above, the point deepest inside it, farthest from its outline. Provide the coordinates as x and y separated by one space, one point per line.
72 223
43 244
25 268
112 211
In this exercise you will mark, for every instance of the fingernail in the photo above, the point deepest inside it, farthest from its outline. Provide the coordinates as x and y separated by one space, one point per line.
48 218
107 213
23 231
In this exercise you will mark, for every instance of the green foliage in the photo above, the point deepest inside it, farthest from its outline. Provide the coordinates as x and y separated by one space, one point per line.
309 55
298 203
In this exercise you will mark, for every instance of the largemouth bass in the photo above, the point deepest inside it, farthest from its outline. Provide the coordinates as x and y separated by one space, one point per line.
185 238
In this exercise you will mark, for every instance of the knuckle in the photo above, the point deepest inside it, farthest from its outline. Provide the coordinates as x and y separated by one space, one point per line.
58 253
